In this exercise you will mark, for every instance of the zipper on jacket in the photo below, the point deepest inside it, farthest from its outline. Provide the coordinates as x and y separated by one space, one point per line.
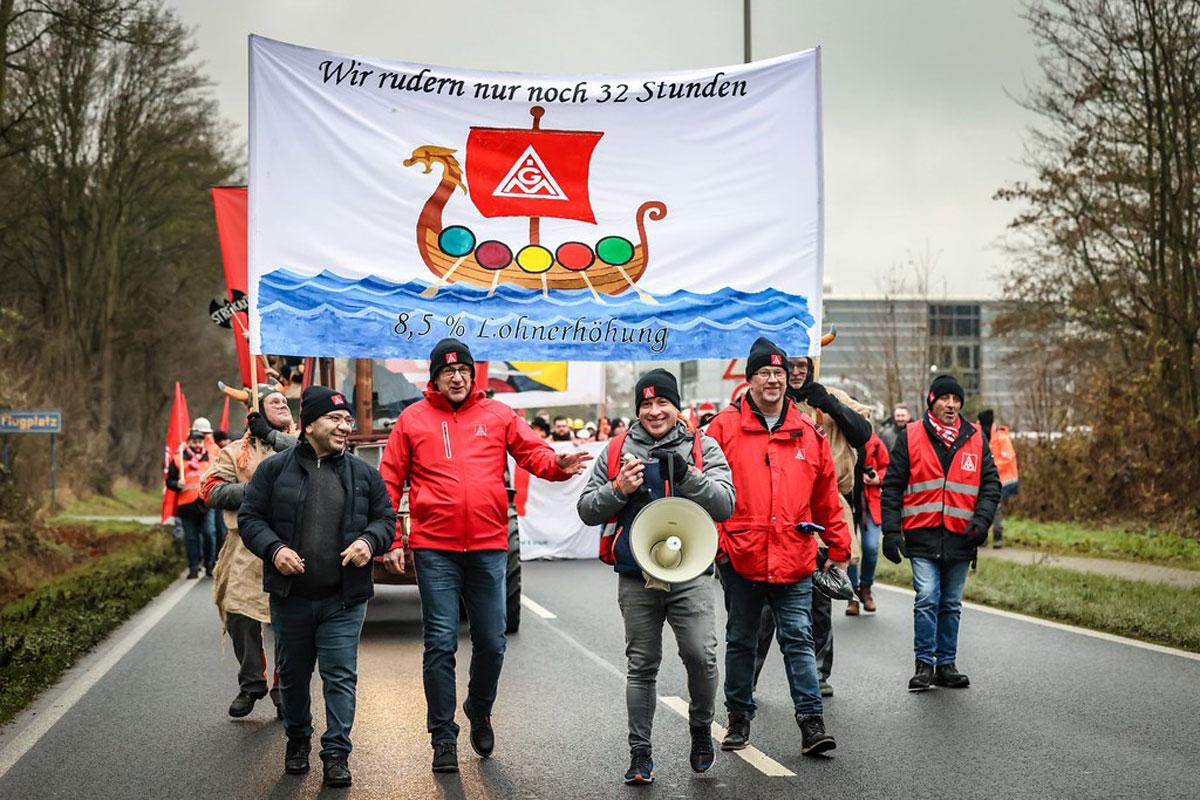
446 440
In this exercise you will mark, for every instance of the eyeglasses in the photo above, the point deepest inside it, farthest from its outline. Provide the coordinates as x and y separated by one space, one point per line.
459 372
771 374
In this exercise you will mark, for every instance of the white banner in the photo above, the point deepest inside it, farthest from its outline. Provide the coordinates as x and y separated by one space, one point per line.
546 518
586 217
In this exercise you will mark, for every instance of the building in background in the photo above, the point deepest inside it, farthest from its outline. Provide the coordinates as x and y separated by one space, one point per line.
886 352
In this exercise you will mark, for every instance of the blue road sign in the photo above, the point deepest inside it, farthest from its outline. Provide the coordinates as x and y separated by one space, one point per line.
42 421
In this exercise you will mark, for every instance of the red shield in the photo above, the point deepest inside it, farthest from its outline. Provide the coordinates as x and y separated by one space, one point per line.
530 173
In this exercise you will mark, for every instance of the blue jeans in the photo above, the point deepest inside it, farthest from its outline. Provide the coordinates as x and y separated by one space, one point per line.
193 537
791 604
311 632
865 573
479 576
936 610
209 539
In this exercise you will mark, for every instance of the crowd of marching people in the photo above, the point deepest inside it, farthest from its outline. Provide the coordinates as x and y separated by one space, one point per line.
804 492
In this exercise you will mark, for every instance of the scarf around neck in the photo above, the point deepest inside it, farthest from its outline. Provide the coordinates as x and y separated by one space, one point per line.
947 433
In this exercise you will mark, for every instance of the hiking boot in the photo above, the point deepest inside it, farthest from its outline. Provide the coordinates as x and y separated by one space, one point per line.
868 599
337 771
445 757
738 734
920 681
948 676
852 608
702 756
193 574
483 738
295 760
813 738
826 688
641 768
243 704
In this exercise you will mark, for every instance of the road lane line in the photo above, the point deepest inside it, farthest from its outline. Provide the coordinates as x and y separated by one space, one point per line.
751 755
1062 626
46 718
537 609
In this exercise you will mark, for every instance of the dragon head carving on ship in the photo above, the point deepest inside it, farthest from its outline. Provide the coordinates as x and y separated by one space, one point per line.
430 154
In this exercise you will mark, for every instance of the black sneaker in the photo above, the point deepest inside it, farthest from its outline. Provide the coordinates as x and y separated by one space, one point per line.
948 676
337 771
702 756
814 739
483 738
295 760
641 768
193 575
738 734
445 757
922 679
243 704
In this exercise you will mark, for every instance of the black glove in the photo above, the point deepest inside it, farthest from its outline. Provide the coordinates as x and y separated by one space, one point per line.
672 465
258 426
893 546
818 397
975 536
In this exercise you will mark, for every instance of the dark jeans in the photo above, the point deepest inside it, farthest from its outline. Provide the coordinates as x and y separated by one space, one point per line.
791 605
193 537
247 637
479 577
822 632
325 633
208 539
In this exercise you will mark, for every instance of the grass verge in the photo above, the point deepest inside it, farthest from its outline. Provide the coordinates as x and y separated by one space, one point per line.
1109 541
1139 610
43 633
128 500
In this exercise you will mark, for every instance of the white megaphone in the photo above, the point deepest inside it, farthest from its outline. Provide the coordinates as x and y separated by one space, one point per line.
673 540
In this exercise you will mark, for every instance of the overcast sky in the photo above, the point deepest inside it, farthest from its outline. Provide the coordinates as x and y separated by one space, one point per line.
919 130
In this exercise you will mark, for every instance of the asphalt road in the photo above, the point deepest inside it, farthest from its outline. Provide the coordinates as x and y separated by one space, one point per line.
1051 713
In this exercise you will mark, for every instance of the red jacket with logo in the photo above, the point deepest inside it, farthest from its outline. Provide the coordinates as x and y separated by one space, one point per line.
454 463
780 478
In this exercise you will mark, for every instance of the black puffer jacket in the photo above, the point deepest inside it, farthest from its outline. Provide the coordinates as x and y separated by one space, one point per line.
937 543
270 516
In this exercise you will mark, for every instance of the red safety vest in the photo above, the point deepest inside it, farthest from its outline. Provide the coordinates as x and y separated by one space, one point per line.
608 541
933 498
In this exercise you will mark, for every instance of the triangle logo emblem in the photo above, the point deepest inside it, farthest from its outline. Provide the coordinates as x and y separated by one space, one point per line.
529 179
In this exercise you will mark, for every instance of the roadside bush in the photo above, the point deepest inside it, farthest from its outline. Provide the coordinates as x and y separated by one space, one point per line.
43 634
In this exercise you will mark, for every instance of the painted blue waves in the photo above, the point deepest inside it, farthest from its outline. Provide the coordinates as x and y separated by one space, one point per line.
327 314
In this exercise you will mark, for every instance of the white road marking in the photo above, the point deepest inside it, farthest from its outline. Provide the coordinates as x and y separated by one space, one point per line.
1061 626
537 609
27 738
751 755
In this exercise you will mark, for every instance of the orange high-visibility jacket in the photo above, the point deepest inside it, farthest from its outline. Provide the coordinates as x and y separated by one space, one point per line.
1004 454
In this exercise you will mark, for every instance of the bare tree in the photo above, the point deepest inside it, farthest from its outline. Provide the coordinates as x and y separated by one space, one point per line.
898 350
1109 235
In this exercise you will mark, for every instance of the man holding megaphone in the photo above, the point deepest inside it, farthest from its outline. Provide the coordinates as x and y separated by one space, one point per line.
786 489
658 488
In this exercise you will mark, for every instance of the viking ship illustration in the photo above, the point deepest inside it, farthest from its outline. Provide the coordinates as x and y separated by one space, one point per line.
534 173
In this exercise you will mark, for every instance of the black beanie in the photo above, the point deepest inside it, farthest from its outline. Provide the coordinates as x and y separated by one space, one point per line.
449 351
656 383
317 401
765 353
944 384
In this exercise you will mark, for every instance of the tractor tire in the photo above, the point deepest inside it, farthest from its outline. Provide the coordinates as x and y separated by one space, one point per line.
514 577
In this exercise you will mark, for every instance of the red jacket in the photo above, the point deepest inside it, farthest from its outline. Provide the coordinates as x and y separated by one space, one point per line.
780 478
875 456
454 463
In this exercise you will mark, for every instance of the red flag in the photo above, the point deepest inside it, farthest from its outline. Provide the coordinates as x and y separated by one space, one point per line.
224 426
229 202
177 431
513 172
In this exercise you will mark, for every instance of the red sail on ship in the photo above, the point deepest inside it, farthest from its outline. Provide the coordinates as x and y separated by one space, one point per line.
531 173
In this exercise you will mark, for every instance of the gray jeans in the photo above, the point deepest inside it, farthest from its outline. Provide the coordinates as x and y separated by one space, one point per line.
690 610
